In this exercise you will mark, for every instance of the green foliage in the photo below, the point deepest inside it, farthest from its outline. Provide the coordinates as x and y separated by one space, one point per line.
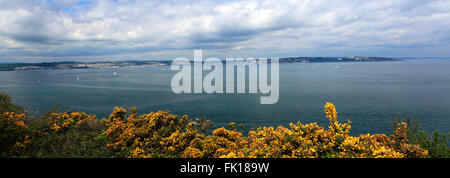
26 136
436 143
13 133
86 141
7 106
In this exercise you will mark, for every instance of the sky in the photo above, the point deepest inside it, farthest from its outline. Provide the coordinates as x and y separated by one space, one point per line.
85 30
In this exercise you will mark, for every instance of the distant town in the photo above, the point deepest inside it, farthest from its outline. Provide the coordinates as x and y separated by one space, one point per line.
116 64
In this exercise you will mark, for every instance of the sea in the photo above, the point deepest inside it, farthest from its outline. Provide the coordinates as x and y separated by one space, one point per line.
369 94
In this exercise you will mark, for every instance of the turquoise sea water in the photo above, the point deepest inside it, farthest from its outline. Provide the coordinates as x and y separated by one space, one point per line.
368 94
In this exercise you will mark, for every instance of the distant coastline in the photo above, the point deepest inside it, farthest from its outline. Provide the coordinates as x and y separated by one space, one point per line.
113 64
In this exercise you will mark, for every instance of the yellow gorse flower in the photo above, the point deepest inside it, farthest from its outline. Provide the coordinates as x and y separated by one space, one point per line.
162 134
179 137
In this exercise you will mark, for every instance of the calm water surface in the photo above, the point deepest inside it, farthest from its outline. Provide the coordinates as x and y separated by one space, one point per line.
368 94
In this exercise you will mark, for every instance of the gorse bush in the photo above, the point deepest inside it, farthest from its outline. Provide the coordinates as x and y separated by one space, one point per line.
13 133
436 143
164 135
68 134
7 106
144 136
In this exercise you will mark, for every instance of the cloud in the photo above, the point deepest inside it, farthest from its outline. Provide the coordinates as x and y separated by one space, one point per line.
39 30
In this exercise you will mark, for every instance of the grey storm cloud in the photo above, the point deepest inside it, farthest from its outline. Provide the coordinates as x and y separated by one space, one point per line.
57 30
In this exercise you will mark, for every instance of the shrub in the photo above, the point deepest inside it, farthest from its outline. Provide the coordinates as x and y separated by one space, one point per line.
159 134
7 106
68 134
13 134
436 143
162 134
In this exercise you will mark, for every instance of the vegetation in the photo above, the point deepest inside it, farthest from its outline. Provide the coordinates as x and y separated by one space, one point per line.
164 135
7 106
436 143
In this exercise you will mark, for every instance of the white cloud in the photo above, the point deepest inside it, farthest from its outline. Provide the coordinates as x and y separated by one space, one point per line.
125 29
